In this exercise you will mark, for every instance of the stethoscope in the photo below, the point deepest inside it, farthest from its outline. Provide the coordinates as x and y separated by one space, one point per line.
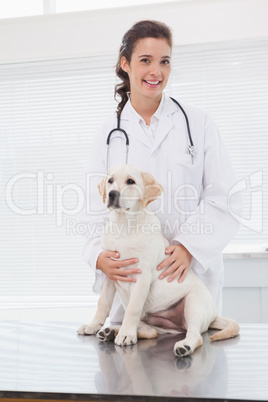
118 128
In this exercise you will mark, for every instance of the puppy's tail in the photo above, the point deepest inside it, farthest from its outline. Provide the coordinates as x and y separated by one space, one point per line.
229 328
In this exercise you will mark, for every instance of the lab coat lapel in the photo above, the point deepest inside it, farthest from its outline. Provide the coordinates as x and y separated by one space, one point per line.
165 123
136 131
164 126
133 127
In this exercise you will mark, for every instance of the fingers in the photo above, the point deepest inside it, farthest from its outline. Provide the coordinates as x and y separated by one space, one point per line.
170 249
128 271
111 254
122 278
177 264
123 275
120 263
125 263
116 268
180 272
174 271
166 262
183 275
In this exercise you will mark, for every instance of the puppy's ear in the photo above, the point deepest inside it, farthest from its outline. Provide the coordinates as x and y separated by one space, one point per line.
102 189
152 189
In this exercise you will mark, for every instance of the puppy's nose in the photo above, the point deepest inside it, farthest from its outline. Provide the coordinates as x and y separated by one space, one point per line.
114 196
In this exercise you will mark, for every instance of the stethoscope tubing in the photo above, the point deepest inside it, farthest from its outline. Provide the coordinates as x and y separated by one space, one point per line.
118 128
187 121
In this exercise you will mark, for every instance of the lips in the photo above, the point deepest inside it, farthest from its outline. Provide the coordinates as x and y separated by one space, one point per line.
152 84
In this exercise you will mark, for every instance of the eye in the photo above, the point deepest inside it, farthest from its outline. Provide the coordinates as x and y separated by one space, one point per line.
166 62
111 180
145 60
130 181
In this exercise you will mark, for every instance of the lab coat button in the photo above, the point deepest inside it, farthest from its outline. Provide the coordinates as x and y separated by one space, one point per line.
155 155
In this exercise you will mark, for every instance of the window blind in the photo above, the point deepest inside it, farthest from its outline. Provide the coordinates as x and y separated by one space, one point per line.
230 80
50 112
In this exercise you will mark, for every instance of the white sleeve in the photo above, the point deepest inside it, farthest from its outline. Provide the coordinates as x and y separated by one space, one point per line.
94 215
90 254
214 205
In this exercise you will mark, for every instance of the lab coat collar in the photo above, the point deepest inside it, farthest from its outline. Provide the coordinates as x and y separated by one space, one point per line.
157 113
133 128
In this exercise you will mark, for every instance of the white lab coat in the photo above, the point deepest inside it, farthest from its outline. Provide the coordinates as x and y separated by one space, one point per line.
193 208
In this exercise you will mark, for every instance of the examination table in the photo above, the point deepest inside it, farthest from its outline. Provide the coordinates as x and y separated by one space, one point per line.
49 361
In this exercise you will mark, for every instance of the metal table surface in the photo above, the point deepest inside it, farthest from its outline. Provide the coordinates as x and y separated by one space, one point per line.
48 360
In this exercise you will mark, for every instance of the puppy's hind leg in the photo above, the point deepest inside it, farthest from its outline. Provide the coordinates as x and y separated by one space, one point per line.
104 307
193 323
146 331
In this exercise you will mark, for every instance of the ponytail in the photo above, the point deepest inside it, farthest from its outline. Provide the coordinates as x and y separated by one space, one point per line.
123 88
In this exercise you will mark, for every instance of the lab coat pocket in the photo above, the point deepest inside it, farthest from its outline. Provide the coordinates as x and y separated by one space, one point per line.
186 182
182 168
182 159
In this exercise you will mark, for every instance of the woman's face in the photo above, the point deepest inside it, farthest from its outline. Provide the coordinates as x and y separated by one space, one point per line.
149 68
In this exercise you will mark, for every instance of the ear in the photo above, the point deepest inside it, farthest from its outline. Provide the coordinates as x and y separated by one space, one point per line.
102 189
152 189
124 64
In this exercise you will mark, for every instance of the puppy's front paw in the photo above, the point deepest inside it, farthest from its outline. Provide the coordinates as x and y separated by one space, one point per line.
89 329
108 334
126 339
182 350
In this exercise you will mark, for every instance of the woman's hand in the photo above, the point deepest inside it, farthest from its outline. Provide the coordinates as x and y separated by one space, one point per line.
111 267
180 260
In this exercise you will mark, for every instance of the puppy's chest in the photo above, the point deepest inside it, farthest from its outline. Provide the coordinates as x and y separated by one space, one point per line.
125 245
126 239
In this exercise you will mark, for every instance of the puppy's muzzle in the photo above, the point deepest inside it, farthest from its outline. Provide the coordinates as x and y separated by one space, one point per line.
114 197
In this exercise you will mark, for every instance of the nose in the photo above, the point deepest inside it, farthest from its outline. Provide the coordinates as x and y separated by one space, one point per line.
155 69
114 196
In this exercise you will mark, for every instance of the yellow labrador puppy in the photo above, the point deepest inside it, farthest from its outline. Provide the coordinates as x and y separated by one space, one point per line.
151 305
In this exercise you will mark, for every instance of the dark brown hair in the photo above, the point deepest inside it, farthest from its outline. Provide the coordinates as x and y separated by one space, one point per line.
140 30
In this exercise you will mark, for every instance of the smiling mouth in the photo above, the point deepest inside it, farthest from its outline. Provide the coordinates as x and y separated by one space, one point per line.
152 83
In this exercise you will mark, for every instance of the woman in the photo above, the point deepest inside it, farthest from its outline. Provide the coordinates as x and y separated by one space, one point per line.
193 208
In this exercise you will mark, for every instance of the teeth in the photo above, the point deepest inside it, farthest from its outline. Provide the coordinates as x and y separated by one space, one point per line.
153 82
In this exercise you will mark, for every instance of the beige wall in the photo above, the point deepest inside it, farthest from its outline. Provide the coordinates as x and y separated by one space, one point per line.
93 32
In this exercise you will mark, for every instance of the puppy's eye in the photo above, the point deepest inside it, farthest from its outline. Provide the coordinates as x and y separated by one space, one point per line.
111 180
130 181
